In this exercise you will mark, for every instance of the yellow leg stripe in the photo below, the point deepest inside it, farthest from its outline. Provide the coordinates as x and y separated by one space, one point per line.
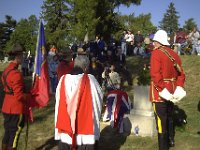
152 91
158 120
18 132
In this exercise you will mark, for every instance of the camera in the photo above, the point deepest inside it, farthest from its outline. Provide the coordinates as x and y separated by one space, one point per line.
107 71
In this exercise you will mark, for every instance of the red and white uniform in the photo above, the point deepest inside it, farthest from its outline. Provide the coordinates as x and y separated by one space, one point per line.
78 99
163 73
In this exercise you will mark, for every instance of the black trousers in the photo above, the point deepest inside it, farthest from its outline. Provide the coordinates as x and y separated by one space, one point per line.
13 124
163 112
64 146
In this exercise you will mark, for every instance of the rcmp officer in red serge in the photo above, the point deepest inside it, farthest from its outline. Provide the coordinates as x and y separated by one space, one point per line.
15 100
167 82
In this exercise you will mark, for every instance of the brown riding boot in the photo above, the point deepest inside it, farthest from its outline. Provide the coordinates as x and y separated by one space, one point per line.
10 148
4 147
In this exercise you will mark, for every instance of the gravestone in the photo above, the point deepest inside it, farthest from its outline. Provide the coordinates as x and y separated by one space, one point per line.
142 115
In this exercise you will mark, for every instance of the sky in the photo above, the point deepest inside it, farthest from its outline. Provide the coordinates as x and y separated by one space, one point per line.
19 9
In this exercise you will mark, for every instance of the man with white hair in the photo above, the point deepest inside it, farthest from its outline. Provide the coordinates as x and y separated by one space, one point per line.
167 82
78 108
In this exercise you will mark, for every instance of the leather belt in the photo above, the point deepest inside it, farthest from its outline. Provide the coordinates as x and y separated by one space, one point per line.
169 79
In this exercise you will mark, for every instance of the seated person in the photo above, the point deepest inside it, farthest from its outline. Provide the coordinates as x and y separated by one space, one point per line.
111 78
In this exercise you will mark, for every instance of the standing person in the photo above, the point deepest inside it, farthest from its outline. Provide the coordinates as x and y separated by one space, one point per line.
78 108
53 50
66 63
130 43
194 37
15 100
123 43
180 41
111 77
53 64
166 88
24 65
138 40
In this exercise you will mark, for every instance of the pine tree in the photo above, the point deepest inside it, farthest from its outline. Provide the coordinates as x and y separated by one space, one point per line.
189 25
169 22
6 29
57 15
85 20
25 34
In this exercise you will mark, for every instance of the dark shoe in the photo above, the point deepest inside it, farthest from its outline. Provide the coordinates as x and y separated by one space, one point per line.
198 132
171 143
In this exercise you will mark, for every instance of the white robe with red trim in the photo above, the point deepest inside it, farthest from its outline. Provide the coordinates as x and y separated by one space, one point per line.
89 104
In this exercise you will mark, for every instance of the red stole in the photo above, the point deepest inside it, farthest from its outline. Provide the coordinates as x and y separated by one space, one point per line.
78 120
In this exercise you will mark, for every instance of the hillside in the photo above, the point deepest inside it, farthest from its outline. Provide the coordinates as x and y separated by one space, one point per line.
41 132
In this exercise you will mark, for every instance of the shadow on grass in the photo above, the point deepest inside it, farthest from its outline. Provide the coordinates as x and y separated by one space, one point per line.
42 113
110 139
198 106
49 144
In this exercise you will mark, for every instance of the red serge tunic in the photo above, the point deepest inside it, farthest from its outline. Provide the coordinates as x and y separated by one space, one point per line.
163 73
13 103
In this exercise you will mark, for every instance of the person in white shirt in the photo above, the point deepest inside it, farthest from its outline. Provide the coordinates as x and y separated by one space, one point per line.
130 43
194 36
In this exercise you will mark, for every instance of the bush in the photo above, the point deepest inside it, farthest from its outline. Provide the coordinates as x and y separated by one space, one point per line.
144 76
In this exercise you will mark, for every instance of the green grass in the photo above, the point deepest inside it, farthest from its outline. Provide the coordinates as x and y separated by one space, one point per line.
41 132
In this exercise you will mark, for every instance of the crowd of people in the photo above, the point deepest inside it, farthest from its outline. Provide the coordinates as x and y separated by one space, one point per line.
186 43
82 77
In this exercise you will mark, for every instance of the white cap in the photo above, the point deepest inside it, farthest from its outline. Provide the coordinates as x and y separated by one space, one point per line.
161 37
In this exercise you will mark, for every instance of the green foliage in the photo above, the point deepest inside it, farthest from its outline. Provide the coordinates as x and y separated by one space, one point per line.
144 76
6 30
140 23
85 19
71 20
25 34
189 25
58 17
170 20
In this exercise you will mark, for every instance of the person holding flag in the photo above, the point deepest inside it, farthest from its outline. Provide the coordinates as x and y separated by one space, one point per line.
15 100
78 108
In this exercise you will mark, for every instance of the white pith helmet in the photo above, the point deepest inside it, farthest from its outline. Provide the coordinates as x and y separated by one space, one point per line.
161 37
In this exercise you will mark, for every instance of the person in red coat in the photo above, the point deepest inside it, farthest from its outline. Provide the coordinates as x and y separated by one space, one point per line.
66 63
15 100
167 87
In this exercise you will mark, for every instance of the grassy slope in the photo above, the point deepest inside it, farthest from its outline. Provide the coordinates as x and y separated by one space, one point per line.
42 130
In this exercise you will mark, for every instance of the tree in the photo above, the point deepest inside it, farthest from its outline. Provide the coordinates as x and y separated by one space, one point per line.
170 20
74 18
140 23
25 34
108 20
6 30
85 21
143 23
189 25
58 17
